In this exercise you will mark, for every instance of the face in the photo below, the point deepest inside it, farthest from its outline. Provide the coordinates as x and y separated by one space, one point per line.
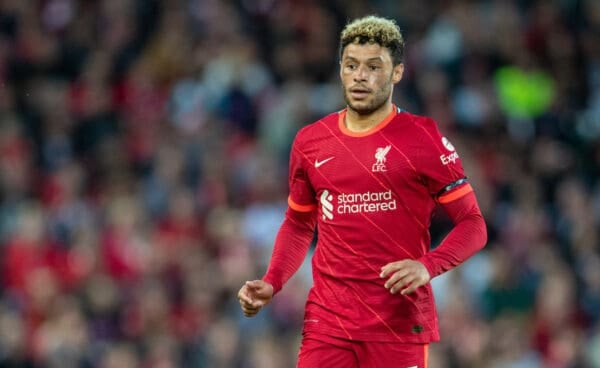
368 76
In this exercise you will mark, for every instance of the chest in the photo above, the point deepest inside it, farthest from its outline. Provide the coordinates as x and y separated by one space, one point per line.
375 163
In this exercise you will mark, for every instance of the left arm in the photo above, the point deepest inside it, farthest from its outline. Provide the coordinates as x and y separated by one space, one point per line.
468 236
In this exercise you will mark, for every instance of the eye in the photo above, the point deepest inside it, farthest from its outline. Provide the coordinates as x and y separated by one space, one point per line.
374 67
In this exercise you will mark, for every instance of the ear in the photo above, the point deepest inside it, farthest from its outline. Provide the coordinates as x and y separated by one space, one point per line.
397 73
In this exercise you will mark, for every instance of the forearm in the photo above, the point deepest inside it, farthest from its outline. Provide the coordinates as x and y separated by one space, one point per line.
291 246
468 236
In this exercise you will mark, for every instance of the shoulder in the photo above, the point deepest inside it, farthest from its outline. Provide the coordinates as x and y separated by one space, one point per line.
427 140
420 122
423 130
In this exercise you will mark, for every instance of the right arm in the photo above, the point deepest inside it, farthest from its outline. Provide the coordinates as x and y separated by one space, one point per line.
291 246
292 241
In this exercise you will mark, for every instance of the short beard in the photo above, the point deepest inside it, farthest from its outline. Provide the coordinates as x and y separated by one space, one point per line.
378 101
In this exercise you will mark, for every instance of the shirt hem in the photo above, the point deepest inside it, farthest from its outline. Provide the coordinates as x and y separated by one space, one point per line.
421 338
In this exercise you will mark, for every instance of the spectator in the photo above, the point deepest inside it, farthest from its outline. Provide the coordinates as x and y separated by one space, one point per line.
129 129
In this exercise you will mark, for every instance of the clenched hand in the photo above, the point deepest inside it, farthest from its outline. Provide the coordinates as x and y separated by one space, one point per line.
406 275
254 295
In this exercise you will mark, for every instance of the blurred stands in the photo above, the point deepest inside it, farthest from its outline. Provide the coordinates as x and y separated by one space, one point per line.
143 174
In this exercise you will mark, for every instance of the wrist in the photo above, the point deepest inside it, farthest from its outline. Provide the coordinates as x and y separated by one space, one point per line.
274 285
429 266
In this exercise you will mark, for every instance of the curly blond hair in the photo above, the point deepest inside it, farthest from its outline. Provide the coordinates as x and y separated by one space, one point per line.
374 29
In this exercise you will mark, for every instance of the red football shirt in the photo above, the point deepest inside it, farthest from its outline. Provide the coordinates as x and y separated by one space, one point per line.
375 193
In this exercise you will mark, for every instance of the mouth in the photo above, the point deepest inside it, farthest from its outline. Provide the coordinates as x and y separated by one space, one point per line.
359 93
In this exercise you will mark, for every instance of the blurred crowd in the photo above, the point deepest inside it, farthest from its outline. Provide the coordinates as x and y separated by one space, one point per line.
143 174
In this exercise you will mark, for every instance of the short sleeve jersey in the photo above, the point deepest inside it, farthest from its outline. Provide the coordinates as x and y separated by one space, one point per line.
375 193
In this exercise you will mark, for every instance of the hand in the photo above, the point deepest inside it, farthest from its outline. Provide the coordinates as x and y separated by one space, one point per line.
406 275
254 295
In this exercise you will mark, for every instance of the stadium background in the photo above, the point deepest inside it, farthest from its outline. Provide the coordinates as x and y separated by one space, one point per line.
143 158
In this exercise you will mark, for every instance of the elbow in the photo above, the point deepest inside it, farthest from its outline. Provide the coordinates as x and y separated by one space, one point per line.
482 234
478 233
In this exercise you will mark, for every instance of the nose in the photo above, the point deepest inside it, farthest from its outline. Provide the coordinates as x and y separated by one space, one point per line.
360 74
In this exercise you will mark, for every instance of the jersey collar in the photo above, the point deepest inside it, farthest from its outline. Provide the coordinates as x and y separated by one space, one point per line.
376 128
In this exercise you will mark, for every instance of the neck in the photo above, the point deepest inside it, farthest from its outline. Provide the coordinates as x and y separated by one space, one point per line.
357 122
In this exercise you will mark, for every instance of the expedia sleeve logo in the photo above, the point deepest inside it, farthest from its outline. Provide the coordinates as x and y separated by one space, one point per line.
452 156
354 203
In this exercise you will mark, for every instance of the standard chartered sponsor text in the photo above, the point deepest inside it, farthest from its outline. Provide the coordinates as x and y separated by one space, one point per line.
365 202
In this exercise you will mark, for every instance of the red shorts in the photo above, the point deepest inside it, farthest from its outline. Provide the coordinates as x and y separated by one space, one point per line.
319 351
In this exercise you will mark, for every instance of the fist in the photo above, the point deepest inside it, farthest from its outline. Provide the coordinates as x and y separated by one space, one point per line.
254 295
404 276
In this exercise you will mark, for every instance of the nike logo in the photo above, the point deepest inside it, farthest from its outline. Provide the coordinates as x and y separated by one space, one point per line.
319 163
